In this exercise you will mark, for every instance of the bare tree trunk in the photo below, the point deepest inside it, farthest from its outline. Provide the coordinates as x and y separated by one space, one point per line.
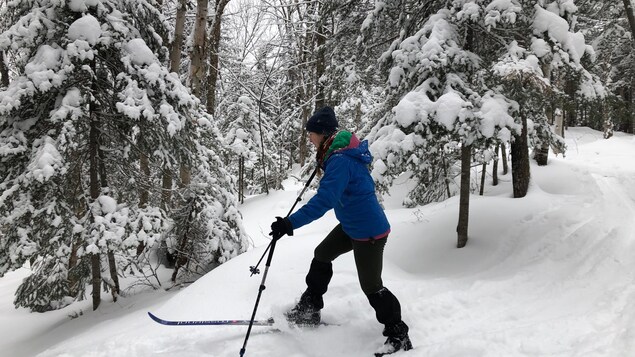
464 199
186 175
112 264
181 257
541 151
197 62
483 172
4 71
607 123
79 208
179 26
520 161
541 154
166 189
175 61
504 157
144 165
559 123
495 167
320 65
144 194
304 150
571 110
241 179
94 194
166 179
95 265
214 45
628 6
358 116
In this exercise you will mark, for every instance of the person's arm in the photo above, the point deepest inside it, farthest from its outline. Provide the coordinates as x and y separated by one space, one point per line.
332 186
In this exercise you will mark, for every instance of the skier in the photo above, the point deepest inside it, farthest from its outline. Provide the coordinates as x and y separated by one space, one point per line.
347 187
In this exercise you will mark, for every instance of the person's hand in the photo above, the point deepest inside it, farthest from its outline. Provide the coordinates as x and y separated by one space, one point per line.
280 227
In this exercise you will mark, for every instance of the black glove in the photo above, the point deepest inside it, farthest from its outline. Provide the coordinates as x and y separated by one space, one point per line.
281 227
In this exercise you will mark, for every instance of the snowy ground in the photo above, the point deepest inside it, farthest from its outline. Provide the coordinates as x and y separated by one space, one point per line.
552 274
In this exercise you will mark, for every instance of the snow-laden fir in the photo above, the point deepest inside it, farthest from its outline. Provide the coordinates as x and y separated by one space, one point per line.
551 274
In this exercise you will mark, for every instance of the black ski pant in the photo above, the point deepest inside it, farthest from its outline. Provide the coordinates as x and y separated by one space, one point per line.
369 257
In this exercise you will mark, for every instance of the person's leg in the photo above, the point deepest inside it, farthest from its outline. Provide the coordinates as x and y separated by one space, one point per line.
369 258
369 262
307 311
336 243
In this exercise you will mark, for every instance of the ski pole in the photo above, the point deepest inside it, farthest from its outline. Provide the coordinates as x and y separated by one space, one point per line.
254 270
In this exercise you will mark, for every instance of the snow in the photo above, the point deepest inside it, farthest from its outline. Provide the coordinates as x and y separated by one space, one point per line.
449 105
550 274
107 204
495 113
40 69
501 11
85 28
46 161
140 53
558 28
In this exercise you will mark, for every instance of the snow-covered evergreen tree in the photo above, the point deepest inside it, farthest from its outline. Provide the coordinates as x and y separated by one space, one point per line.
465 53
243 138
439 110
91 102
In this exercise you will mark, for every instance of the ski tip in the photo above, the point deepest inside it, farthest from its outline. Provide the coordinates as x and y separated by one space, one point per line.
153 317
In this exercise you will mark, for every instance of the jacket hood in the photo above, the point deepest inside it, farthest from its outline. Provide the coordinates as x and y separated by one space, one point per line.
348 144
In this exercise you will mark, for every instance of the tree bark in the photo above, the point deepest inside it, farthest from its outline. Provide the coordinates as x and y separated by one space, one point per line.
112 263
144 194
94 194
628 6
630 14
175 64
495 167
4 71
197 61
483 172
304 150
166 189
504 157
214 46
320 64
464 199
181 257
179 26
541 154
79 208
520 161
241 179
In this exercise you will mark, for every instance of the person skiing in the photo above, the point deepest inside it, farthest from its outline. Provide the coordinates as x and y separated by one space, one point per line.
347 187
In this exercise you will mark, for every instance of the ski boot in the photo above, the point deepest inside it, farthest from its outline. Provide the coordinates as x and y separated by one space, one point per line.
306 312
398 339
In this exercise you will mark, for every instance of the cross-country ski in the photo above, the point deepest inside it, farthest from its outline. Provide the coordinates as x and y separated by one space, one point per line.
267 322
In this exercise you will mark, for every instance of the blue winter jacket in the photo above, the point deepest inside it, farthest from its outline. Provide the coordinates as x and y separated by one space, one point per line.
347 187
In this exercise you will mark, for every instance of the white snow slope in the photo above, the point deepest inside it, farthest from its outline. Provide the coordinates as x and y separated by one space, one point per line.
551 274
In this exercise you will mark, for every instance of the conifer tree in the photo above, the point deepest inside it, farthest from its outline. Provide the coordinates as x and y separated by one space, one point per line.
455 82
91 98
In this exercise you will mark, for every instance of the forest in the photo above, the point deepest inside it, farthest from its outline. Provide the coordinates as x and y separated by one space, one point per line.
132 130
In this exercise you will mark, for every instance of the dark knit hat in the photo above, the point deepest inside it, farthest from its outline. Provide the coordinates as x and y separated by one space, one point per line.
322 121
